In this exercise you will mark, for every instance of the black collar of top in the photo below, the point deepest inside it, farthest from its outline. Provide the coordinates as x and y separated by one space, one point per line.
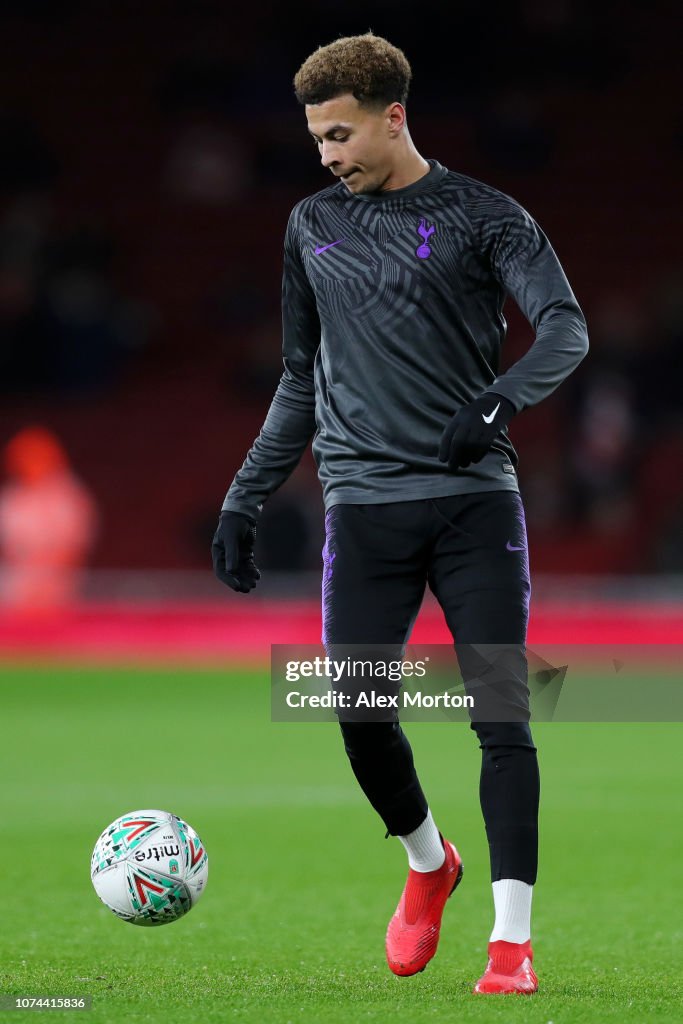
427 183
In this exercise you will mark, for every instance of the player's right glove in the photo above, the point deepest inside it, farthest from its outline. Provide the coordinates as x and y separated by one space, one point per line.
233 552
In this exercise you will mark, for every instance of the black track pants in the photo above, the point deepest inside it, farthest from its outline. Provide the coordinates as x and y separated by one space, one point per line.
472 551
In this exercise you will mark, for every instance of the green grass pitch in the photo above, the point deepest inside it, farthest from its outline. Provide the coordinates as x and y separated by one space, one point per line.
301 879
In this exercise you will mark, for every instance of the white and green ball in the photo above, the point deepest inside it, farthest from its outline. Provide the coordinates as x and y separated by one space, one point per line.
149 867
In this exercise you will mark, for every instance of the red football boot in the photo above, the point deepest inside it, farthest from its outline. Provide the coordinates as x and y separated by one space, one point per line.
509 969
413 932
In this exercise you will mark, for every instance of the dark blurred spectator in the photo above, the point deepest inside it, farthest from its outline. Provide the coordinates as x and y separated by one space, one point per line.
23 231
566 43
207 164
657 371
239 299
667 556
90 328
44 10
204 80
27 162
605 436
261 360
604 454
47 523
64 327
545 478
513 132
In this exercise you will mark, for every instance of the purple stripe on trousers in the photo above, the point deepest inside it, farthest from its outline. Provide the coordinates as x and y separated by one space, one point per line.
329 555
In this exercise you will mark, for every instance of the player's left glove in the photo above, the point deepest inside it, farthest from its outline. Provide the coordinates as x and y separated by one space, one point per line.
473 429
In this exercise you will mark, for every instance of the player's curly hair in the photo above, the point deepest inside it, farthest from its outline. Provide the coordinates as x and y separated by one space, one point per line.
368 66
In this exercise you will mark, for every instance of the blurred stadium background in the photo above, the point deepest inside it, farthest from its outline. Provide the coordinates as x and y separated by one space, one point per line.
150 154
149 157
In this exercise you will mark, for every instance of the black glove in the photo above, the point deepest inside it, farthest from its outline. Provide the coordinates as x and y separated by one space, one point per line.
233 551
473 429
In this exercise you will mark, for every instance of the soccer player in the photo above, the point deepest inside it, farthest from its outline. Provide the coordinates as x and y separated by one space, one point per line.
393 288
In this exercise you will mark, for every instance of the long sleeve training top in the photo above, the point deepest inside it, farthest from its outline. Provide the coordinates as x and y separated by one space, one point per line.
392 319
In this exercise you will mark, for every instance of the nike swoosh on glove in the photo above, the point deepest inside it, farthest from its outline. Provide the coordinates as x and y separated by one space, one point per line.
232 552
473 429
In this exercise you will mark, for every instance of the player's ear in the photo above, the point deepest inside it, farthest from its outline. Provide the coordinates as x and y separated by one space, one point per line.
395 117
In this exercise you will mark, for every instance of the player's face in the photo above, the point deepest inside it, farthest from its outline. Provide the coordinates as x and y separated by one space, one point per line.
353 142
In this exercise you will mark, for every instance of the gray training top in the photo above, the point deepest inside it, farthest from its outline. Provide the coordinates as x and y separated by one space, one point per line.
392 320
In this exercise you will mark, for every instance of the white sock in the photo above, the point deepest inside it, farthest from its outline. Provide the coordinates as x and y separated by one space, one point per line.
425 852
512 900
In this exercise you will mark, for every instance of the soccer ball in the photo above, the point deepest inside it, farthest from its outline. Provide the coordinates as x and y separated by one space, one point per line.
149 867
